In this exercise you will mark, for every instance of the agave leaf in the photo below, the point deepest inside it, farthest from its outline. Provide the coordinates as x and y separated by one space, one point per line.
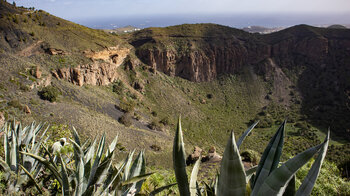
91 152
198 189
113 144
76 136
138 168
32 179
78 153
7 148
194 174
277 181
250 172
128 165
102 170
108 183
80 177
97 160
270 159
14 153
89 191
245 134
309 181
51 158
47 164
64 174
136 179
290 189
7 169
179 162
232 179
160 189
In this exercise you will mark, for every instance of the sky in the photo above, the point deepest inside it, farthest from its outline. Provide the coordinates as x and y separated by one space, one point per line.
83 10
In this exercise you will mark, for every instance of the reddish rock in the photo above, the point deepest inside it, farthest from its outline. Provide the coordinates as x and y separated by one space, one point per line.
212 156
26 109
192 158
36 72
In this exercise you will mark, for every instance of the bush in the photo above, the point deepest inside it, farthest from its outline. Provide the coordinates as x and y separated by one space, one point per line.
49 93
154 125
126 105
126 119
165 121
15 104
250 156
118 87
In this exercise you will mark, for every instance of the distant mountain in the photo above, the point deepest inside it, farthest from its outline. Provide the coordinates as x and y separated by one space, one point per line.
337 26
216 77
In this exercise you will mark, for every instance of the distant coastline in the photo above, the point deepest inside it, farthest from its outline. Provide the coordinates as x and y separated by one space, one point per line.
232 20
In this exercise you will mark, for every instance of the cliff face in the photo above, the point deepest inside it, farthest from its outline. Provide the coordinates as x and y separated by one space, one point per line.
204 57
198 57
315 60
102 71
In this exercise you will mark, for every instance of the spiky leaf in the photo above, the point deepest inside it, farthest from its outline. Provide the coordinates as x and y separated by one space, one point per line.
310 180
270 158
232 179
179 162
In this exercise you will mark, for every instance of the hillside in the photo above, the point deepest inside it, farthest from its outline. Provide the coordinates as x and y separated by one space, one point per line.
136 85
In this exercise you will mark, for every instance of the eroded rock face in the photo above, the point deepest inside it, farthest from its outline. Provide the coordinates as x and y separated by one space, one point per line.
97 73
199 63
203 58
192 158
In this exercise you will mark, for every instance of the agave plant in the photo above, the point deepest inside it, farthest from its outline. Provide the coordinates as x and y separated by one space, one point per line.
19 168
268 178
92 172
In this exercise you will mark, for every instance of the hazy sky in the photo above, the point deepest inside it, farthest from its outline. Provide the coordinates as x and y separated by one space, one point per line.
76 9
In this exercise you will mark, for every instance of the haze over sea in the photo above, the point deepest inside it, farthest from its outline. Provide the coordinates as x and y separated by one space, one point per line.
233 20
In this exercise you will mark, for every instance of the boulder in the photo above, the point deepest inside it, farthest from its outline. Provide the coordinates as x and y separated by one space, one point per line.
192 158
36 72
26 109
212 156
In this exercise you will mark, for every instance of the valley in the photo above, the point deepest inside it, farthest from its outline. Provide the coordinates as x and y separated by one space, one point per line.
136 85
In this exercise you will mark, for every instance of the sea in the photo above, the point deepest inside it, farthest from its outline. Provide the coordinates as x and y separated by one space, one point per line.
232 20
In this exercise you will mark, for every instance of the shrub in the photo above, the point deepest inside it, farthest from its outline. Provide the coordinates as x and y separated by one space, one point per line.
15 104
165 121
118 87
126 105
154 113
250 156
153 125
126 119
49 93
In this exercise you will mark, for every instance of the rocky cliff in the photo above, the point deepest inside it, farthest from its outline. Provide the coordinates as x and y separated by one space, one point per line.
315 60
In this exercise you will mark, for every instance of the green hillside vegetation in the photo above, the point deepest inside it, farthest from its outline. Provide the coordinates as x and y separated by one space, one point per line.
142 105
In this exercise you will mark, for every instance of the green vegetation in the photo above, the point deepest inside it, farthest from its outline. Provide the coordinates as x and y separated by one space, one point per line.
89 171
49 93
269 179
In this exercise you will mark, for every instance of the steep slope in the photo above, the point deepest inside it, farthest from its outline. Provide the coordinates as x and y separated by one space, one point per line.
315 60
108 85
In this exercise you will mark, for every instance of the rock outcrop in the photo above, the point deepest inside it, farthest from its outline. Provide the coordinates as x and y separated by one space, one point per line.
192 158
314 62
102 71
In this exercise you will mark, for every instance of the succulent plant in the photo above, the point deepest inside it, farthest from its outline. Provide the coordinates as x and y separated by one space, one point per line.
270 177
93 172
20 168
